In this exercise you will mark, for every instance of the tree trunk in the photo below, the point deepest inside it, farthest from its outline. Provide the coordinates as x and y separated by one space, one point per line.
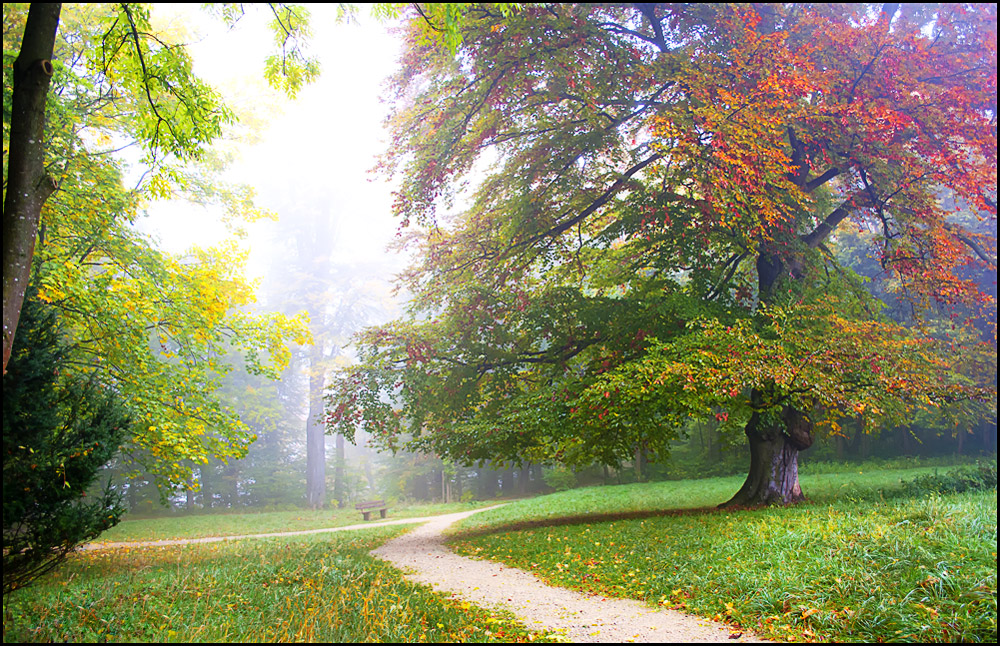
775 442
369 474
775 437
339 467
640 462
189 495
315 433
507 483
27 183
207 485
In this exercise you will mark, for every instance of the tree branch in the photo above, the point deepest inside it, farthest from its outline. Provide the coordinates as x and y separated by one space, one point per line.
593 206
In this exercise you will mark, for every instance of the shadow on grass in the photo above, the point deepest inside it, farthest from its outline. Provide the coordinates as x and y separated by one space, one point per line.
582 519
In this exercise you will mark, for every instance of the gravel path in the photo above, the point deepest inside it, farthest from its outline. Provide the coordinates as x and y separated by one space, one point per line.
574 616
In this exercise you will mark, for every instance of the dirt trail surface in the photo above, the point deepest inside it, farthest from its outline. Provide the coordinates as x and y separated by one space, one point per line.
560 612
572 615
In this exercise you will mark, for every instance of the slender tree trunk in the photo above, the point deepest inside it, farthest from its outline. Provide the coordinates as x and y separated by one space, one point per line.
315 433
189 495
207 483
369 474
339 486
640 462
27 183
507 483
487 482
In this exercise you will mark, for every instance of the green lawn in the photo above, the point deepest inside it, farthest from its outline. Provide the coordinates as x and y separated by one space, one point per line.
317 588
236 524
859 562
847 566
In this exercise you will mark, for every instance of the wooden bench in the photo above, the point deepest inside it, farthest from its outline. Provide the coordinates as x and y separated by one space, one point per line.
366 508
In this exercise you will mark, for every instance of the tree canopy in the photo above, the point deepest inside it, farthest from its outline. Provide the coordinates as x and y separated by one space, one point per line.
654 230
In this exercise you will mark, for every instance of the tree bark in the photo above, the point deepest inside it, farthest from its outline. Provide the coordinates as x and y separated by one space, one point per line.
775 442
315 433
28 185
207 485
339 467
775 438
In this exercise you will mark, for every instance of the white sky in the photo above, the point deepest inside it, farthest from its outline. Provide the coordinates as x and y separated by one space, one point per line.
322 144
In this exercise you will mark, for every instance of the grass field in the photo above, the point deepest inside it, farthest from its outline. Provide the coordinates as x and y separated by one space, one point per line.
317 588
859 562
237 524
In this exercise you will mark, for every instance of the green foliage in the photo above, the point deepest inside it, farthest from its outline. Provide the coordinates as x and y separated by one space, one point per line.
156 327
320 589
60 426
290 67
651 239
560 478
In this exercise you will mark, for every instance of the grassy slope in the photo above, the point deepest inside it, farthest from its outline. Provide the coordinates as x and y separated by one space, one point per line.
847 566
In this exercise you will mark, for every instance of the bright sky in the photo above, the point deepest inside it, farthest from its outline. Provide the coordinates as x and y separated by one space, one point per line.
319 146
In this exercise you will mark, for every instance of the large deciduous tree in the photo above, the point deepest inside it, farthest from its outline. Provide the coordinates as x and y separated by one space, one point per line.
655 237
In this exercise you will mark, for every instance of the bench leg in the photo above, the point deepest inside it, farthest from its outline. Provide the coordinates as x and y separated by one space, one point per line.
367 514
382 512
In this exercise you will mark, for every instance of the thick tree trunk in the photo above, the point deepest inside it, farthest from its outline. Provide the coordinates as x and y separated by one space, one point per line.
775 437
27 183
775 442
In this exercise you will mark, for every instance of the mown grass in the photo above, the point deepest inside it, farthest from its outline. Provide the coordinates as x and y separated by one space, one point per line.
668 497
859 562
319 588
237 524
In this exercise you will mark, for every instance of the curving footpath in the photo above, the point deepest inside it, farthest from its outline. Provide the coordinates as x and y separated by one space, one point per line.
561 612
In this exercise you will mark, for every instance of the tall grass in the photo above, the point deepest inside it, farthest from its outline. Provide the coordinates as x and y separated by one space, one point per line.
324 589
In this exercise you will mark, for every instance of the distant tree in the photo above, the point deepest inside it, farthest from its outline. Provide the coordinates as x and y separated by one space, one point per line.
338 299
653 235
60 426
